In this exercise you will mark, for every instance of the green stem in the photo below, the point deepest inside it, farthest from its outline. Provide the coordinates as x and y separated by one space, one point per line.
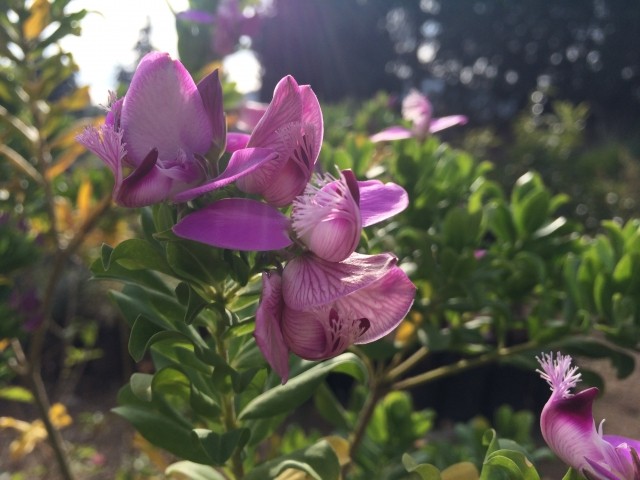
378 387
461 365
377 392
228 406
408 364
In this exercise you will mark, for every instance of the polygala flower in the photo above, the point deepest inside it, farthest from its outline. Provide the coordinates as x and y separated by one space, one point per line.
417 109
154 138
317 309
326 217
569 429
291 132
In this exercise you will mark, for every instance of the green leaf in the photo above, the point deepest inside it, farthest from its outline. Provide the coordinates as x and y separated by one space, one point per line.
461 228
143 278
141 385
319 461
602 293
163 217
330 408
425 471
138 254
298 389
105 255
194 302
16 394
500 222
163 432
142 332
532 212
572 475
193 471
196 262
220 447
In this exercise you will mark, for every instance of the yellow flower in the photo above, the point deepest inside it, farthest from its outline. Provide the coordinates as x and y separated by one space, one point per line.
32 433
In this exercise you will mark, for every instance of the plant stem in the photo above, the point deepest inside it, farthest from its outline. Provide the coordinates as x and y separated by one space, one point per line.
377 392
32 364
228 406
42 403
461 365
408 364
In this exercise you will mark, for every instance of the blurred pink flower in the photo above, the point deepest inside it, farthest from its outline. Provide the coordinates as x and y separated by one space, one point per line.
569 429
250 114
417 109
229 23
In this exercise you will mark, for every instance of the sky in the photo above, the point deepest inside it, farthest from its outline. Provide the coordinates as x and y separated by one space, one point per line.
110 31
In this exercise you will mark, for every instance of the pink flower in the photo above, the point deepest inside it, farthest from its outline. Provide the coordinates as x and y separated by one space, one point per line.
291 130
569 429
155 138
249 115
229 23
326 217
317 309
417 109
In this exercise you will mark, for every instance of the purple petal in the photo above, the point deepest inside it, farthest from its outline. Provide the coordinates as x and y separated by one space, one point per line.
417 108
617 440
309 281
361 317
238 224
236 141
291 126
106 143
163 109
268 332
326 218
146 185
285 108
568 427
242 162
307 335
380 201
313 124
384 304
439 124
211 94
623 448
392 133
250 114
197 16
260 179
284 185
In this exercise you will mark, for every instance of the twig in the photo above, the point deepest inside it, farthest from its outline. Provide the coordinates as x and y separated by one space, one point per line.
461 366
42 403
408 364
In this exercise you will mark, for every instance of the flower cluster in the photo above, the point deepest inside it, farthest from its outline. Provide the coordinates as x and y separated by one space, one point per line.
163 141
569 429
